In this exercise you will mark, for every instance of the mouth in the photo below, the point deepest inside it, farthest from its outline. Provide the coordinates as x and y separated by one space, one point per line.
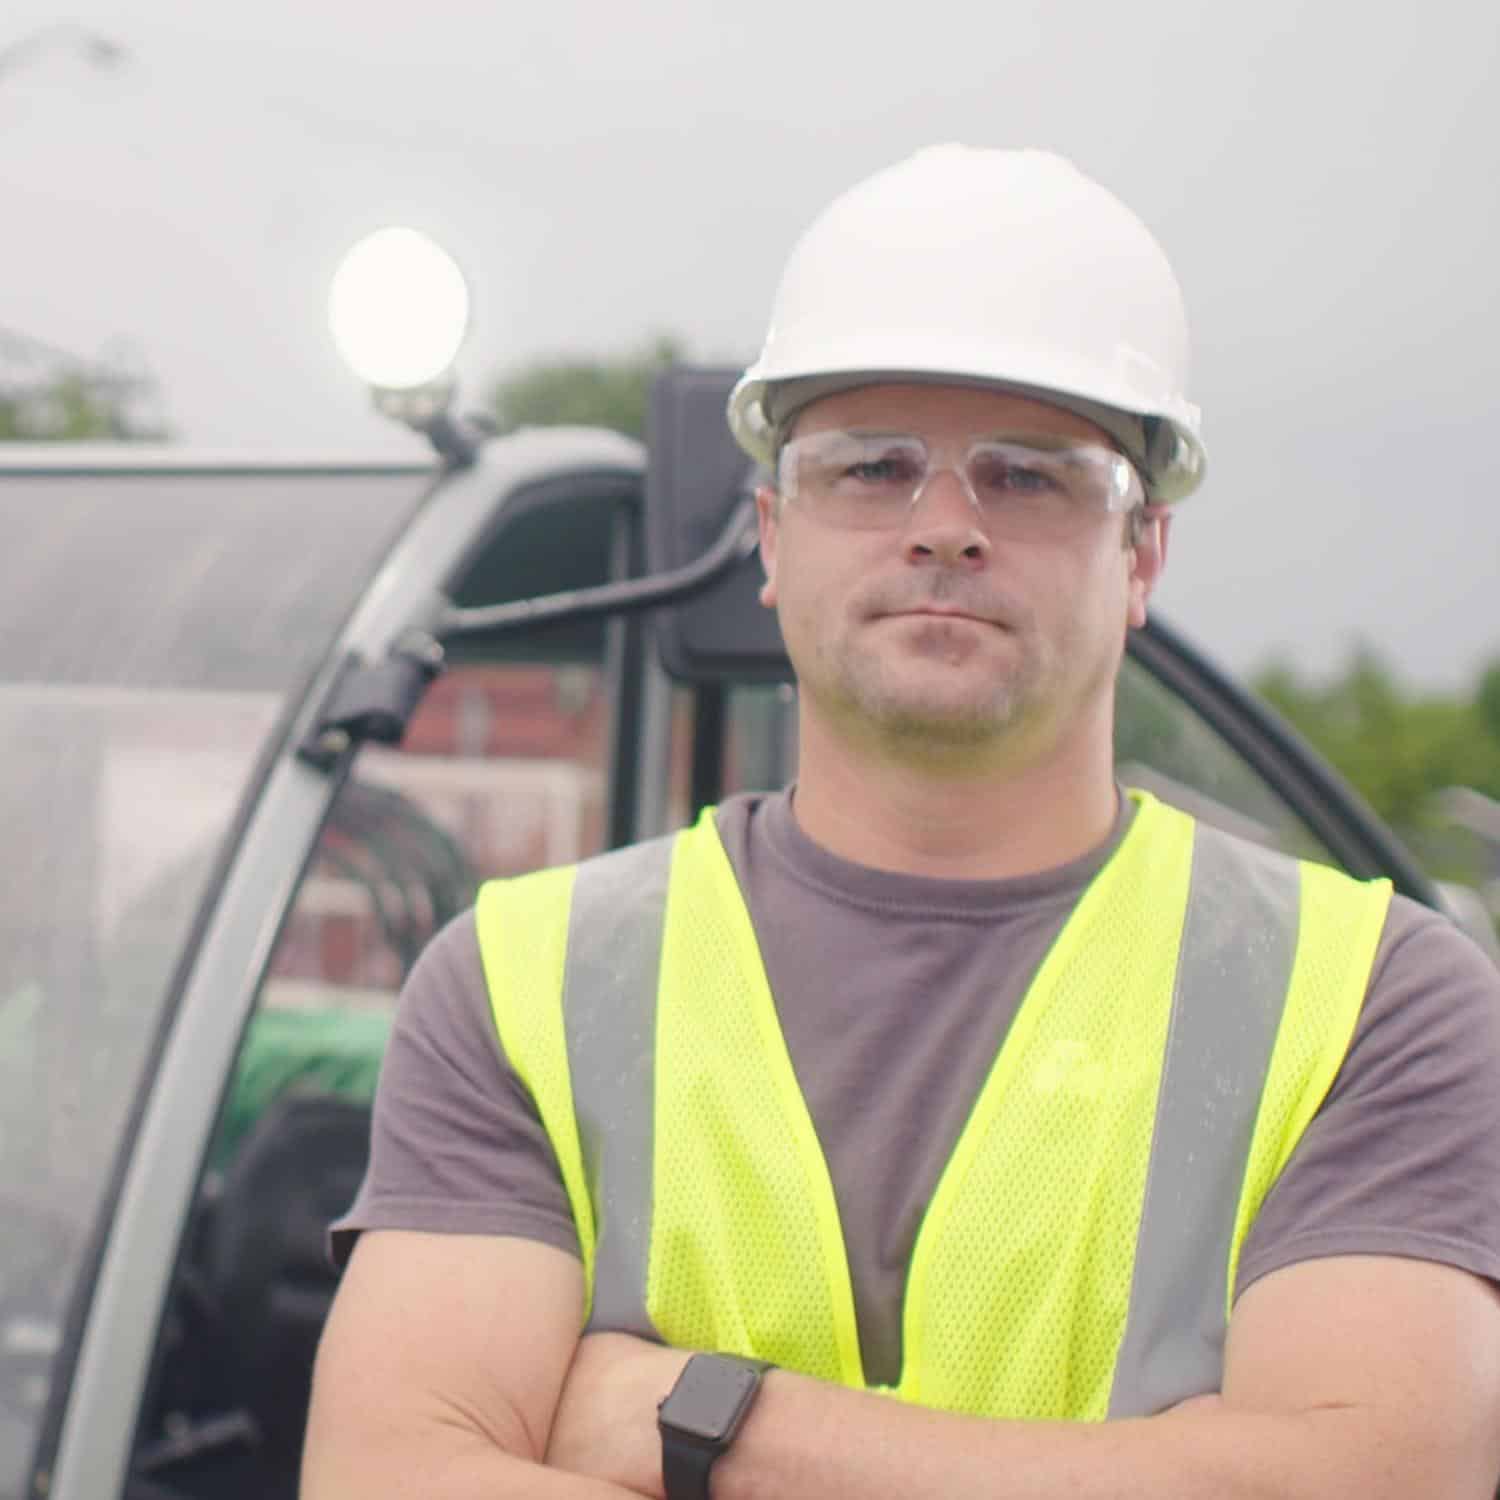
943 612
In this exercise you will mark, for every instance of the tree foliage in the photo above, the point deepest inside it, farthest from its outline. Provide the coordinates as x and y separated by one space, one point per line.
1398 748
75 407
588 392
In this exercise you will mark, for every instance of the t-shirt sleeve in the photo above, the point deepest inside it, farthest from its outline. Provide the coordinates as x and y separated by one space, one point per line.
456 1146
1403 1158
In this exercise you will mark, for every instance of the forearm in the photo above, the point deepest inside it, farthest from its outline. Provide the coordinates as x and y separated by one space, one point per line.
431 1384
807 1439
445 1464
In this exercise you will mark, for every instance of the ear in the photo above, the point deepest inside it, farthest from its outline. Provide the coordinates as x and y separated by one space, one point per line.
1147 559
768 513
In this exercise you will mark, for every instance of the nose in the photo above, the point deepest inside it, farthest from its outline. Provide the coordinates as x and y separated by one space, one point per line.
943 525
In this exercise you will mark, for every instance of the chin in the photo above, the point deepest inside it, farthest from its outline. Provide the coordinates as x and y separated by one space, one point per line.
939 718
967 701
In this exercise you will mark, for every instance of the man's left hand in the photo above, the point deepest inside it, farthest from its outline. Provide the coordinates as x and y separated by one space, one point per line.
605 1426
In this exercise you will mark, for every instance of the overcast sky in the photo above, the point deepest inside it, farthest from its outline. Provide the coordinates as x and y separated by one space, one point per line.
1324 176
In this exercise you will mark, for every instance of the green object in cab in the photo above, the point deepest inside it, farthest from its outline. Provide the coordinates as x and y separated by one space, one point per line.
328 1050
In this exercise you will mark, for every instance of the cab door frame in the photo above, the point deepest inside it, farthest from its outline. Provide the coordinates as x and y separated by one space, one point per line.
85 1449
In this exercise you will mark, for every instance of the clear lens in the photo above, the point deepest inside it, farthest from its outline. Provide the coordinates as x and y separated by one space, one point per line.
1089 476
865 481
854 479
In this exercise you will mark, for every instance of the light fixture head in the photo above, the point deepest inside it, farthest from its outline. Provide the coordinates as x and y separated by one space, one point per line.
398 309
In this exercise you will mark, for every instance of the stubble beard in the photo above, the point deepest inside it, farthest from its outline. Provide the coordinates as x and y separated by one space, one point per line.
925 712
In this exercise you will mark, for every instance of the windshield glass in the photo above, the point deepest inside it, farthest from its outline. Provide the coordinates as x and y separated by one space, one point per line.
152 627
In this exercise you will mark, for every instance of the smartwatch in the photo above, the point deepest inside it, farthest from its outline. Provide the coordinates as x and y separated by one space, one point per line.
699 1418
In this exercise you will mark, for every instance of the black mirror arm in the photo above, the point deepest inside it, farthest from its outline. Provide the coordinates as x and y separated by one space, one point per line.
375 700
735 543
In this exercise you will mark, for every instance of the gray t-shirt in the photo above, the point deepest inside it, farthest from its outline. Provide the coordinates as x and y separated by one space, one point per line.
895 992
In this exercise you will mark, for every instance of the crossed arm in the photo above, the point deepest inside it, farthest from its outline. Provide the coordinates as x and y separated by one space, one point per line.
452 1369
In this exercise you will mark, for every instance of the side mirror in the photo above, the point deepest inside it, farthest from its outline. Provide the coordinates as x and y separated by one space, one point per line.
696 476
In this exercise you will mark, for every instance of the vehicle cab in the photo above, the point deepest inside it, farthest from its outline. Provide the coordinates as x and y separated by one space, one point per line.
266 726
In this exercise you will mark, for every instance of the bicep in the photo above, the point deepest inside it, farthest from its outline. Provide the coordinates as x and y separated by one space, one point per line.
440 1342
1401 1356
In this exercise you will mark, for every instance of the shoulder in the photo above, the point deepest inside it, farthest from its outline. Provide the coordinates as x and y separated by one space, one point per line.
619 864
456 1145
629 871
526 926
1403 1157
450 960
1422 944
1433 1002
443 1011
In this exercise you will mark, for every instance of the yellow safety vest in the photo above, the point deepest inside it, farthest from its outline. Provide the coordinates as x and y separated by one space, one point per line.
1077 1259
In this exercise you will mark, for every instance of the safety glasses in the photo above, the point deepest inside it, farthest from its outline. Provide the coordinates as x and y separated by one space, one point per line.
1022 485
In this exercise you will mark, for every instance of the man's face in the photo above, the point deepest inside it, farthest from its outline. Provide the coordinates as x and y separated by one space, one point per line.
942 637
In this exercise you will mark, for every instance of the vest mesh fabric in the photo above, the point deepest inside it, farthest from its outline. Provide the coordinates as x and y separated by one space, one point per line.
1020 1279
747 1255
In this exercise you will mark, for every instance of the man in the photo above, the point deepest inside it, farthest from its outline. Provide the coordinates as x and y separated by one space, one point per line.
1038 1140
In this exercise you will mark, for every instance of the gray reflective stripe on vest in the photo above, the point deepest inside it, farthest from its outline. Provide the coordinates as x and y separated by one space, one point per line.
1233 973
609 1013
1234 968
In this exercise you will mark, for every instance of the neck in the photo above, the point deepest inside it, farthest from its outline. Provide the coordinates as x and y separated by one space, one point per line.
988 822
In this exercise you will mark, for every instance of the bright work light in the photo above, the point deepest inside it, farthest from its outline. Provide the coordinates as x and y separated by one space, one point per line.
398 309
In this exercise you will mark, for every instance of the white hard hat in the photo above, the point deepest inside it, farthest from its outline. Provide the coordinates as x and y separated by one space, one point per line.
1008 268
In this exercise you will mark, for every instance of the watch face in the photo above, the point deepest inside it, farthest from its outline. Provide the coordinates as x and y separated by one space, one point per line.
709 1398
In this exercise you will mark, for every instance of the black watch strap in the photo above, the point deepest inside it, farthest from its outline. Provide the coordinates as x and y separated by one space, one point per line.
684 1468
